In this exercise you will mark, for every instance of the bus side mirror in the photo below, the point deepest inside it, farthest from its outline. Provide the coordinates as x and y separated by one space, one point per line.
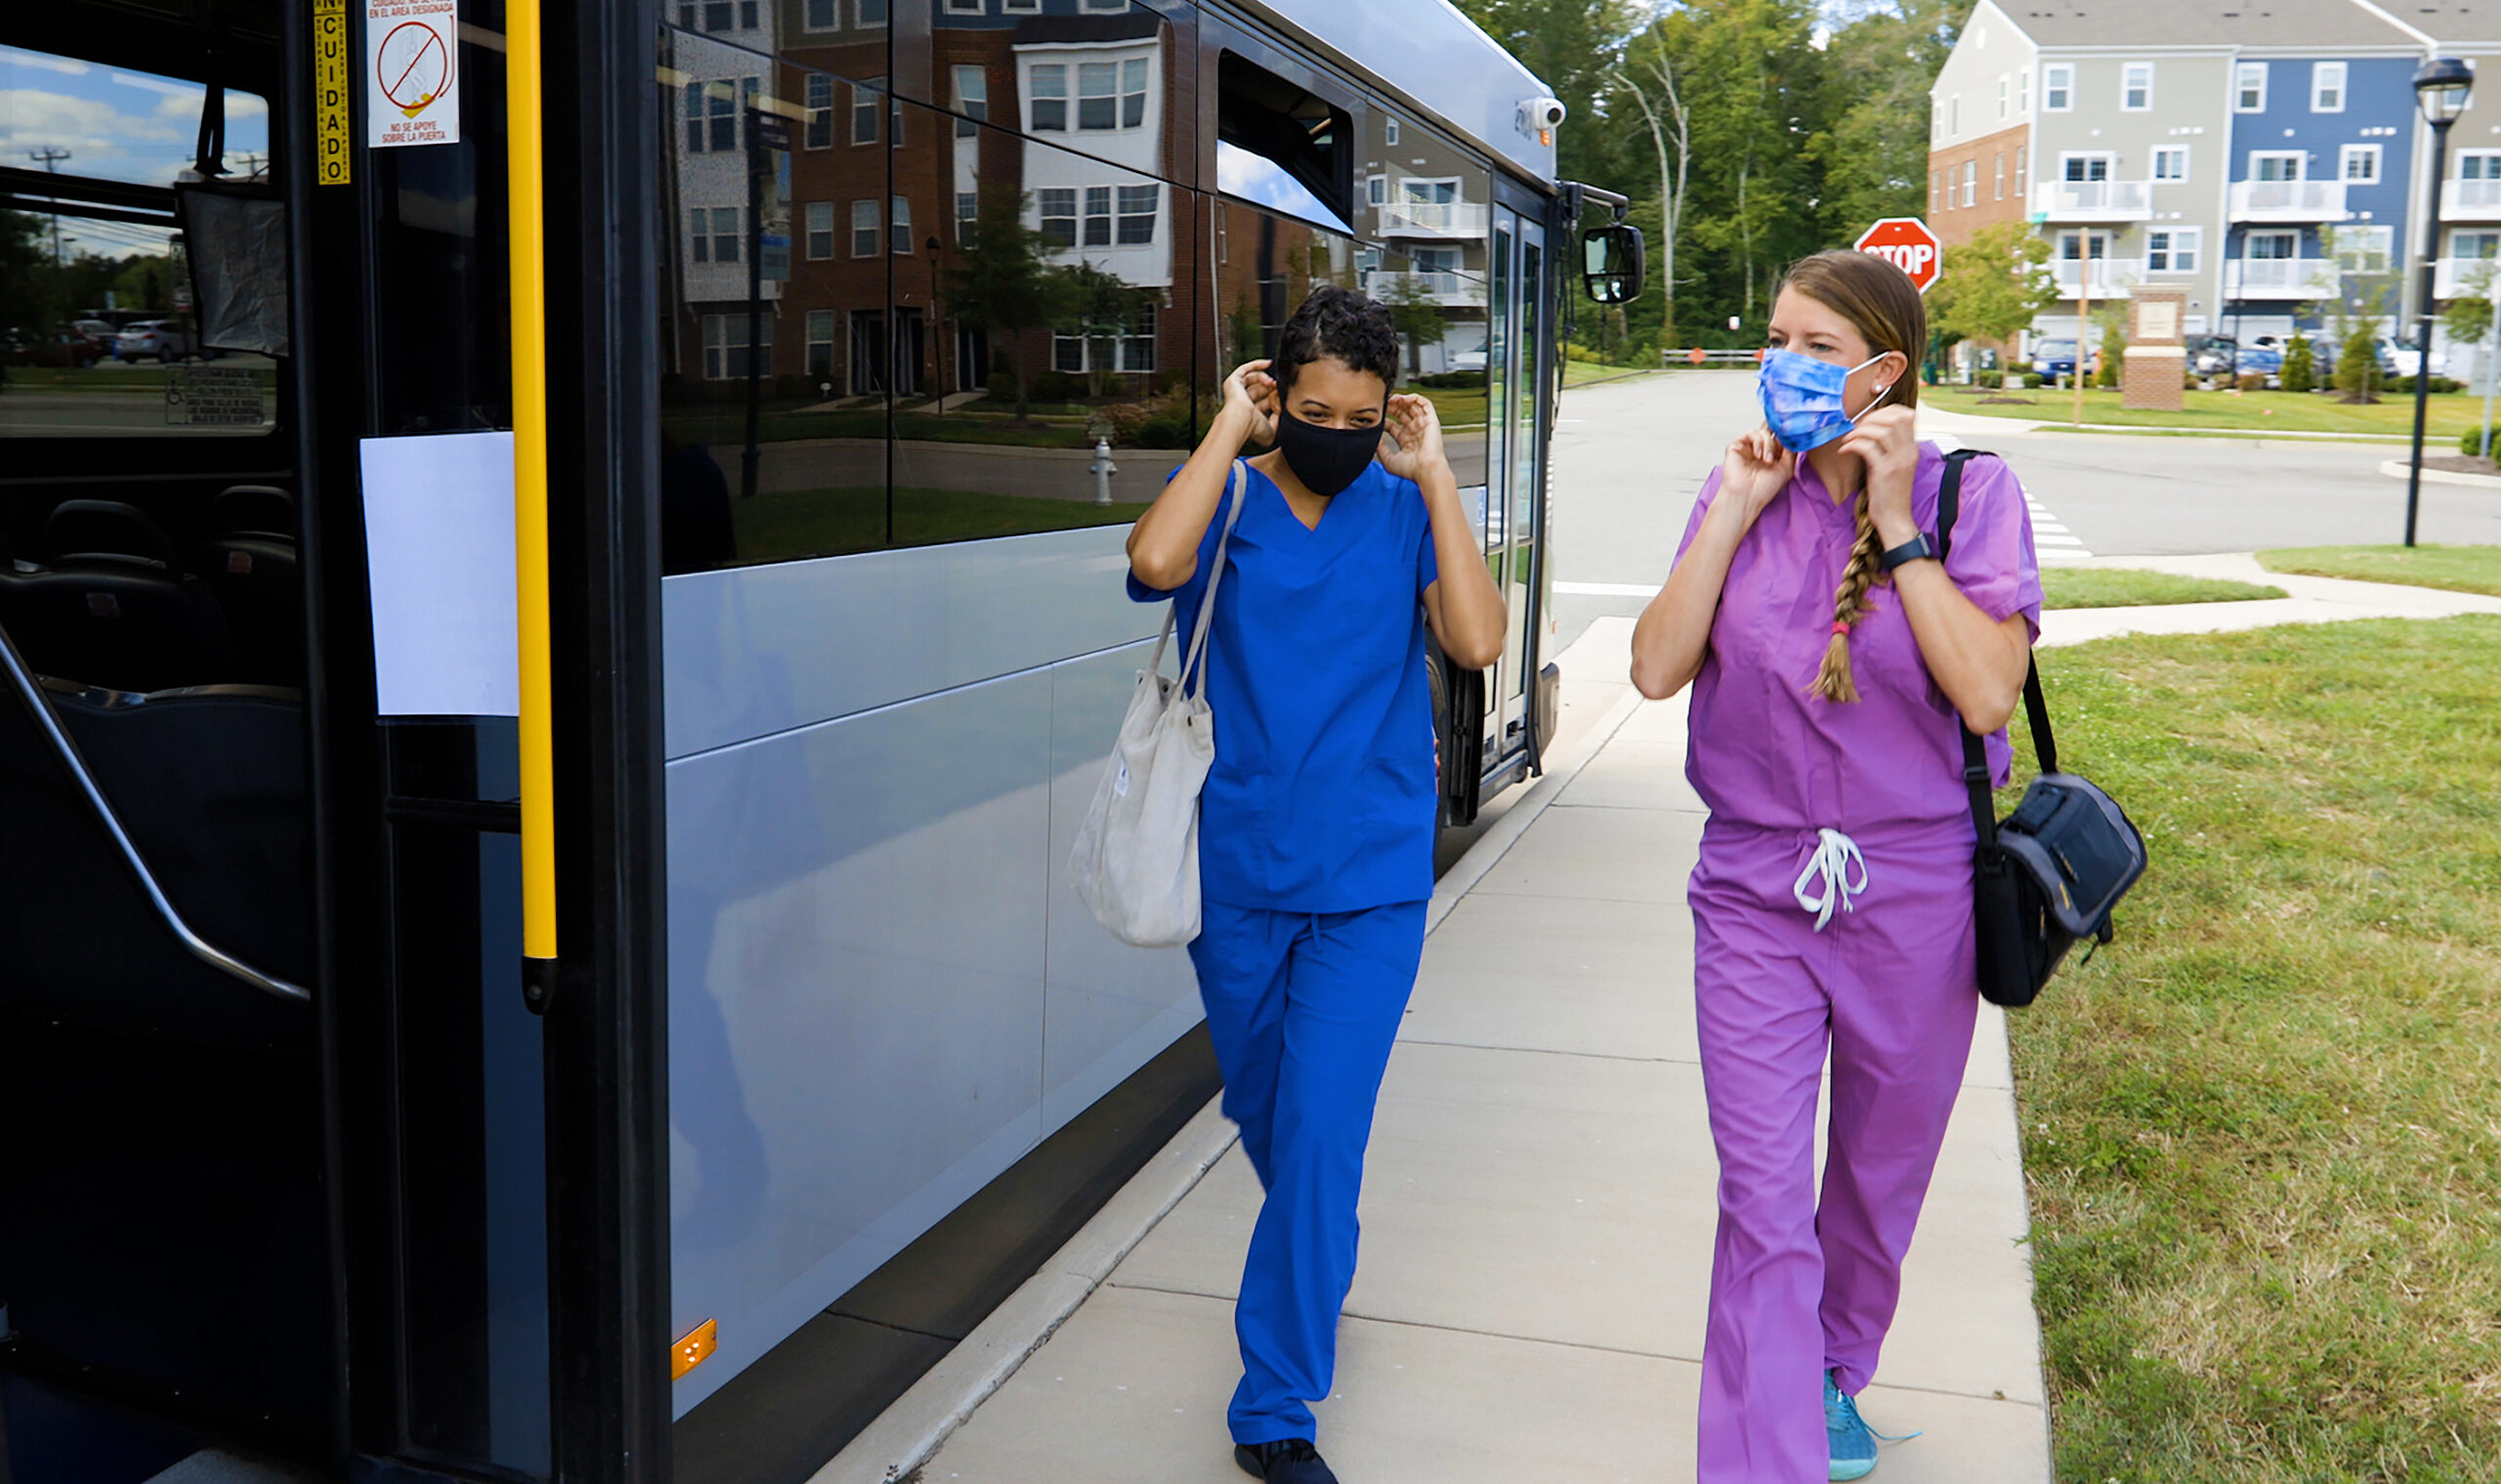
1613 263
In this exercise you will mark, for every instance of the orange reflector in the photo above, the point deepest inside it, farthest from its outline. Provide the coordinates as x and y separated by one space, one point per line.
695 1349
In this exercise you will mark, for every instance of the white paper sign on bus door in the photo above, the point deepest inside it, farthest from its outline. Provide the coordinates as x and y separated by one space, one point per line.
411 73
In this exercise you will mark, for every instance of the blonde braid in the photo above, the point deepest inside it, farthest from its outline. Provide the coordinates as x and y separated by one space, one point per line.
1834 681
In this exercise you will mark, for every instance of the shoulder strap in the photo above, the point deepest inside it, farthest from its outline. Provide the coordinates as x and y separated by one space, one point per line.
2036 706
1196 658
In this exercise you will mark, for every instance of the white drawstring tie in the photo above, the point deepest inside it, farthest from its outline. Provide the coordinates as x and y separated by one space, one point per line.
1829 866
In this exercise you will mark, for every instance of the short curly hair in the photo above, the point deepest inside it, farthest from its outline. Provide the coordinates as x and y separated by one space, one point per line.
1339 324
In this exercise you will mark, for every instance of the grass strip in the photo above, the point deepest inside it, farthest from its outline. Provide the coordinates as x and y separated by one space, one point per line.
2262 1132
782 525
2120 587
2453 568
2450 412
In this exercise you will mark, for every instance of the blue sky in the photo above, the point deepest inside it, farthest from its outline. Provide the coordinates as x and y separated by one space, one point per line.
117 125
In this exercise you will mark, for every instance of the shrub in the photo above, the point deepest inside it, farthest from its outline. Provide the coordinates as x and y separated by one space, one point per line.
2405 384
1055 386
2471 442
1989 380
2032 381
2358 365
2114 356
2251 381
2301 367
1452 379
1581 352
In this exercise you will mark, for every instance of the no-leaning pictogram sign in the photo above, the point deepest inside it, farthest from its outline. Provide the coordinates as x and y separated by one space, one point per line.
1908 244
413 72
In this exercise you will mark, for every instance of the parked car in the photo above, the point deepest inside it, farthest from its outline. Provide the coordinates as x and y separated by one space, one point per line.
100 332
63 347
2214 355
1471 360
2266 360
2400 358
2054 359
163 339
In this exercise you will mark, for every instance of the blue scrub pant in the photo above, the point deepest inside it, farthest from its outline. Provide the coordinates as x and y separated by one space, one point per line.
1303 1009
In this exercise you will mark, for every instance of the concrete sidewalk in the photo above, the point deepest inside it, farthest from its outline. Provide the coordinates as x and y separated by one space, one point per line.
1538 1209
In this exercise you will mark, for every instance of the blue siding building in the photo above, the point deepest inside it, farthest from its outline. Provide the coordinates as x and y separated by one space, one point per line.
2321 165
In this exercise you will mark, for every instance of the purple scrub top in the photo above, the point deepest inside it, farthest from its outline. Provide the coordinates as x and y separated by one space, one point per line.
1768 753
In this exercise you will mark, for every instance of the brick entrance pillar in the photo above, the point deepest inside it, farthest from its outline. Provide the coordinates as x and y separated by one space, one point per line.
2157 359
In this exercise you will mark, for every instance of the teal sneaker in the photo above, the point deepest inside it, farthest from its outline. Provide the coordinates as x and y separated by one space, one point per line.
1853 1447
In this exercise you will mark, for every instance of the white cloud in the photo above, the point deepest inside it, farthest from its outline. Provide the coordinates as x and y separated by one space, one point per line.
159 85
31 116
187 106
10 56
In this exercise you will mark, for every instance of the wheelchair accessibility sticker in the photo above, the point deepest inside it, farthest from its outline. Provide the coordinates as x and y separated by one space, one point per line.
412 48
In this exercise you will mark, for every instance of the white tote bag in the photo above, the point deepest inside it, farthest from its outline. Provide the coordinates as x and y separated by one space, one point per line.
1136 861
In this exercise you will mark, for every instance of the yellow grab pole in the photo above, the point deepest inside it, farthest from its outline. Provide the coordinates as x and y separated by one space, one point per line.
522 103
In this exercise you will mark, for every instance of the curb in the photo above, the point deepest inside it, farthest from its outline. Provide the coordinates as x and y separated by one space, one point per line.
2398 469
912 1430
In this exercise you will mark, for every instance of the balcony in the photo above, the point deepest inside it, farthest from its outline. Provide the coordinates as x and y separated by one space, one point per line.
2279 278
2093 201
1446 289
2465 277
1433 218
2112 277
2471 200
2288 202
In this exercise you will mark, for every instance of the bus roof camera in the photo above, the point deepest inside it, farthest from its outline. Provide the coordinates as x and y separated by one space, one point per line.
1541 116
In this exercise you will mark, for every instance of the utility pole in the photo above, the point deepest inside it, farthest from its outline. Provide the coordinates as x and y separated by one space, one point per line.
49 158
252 161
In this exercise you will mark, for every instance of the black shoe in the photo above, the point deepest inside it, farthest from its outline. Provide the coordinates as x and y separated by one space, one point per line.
1288 1461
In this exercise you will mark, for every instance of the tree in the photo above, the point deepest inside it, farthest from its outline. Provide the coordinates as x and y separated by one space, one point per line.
1993 285
1006 282
1871 149
1103 309
1573 44
1665 119
2301 367
1416 314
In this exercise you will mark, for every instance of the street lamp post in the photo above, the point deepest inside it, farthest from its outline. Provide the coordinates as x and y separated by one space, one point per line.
2440 87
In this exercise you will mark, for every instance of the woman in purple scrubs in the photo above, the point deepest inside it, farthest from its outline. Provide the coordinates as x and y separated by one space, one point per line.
1831 655
1316 823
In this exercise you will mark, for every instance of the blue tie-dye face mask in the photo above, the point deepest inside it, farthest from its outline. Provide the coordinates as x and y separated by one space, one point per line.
1802 398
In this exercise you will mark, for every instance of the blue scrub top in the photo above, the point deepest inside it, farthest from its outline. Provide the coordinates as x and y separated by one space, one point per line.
1322 796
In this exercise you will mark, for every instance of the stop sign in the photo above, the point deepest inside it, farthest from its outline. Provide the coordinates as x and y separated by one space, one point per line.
1908 245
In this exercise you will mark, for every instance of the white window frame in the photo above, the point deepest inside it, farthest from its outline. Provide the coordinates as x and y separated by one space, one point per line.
717 331
1123 199
2128 84
2110 166
2022 171
2057 87
2356 246
2002 91
1375 191
2345 156
2000 187
810 344
2491 158
1090 198
808 232
2299 157
1389 130
1066 97
860 14
865 100
966 7
1972 181
2178 242
809 137
1954 116
1020 6
967 217
2243 73
2023 93
834 8
971 111
899 226
2326 78
873 229
2160 152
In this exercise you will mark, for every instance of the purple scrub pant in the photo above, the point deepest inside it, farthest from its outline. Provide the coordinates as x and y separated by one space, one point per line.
1889 987
1303 1009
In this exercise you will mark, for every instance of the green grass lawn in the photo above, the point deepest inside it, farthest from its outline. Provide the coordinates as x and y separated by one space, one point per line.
2117 587
2456 569
2450 414
786 524
1576 371
2262 1132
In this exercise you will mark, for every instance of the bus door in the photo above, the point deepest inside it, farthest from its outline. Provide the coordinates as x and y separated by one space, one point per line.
1516 369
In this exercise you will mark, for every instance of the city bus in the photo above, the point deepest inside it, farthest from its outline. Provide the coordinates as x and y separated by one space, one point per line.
536 771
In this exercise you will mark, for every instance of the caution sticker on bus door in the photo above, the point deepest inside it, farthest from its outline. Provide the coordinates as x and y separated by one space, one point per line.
411 73
333 73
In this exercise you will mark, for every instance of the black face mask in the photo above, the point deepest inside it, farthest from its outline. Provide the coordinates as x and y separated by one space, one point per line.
1326 459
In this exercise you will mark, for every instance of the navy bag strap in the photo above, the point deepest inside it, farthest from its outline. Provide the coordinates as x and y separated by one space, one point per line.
2036 706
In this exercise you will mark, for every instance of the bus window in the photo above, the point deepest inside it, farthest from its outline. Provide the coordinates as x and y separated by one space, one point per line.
98 335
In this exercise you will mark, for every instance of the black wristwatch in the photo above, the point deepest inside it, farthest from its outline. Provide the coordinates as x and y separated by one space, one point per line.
1916 548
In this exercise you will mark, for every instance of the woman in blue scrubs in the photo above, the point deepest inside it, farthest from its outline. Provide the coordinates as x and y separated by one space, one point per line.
1316 824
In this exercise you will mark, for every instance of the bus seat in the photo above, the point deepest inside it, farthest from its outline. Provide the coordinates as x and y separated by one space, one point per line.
210 783
250 565
113 607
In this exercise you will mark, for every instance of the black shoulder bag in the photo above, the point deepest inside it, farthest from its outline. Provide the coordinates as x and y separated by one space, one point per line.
2050 872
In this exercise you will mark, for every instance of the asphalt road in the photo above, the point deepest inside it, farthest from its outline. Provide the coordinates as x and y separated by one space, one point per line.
1631 455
